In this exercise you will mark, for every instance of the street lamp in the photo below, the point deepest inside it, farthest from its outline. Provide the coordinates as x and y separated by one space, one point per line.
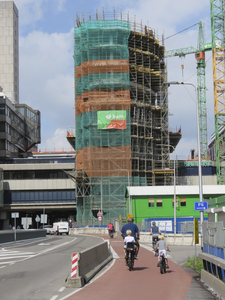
174 184
199 149
130 206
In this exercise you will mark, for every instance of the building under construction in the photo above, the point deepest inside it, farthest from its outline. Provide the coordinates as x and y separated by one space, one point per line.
121 107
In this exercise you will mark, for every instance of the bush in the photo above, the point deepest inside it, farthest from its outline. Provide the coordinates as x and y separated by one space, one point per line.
196 265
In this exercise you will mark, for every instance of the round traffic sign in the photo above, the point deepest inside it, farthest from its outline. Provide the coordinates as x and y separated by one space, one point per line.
100 218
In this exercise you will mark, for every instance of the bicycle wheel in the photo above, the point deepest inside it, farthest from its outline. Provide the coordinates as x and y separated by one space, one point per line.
161 267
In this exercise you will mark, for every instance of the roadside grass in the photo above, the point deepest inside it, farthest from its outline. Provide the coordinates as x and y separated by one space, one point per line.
196 265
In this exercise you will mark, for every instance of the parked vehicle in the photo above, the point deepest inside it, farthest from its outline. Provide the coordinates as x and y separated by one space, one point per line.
61 227
130 255
48 228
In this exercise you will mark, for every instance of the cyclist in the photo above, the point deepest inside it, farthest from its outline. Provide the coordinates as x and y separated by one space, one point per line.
155 232
110 229
162 246
128 239
134 232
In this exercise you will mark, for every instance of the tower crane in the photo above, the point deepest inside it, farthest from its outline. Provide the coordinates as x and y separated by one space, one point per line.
217 11
200 59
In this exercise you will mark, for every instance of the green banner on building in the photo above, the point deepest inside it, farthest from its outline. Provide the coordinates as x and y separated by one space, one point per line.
112 119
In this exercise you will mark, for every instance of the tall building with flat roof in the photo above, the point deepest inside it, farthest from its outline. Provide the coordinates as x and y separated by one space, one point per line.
9 50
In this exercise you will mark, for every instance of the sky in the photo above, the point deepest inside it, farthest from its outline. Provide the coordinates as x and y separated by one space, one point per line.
46 63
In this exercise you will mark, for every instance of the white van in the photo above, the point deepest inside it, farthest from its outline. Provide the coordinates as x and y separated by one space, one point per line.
61 227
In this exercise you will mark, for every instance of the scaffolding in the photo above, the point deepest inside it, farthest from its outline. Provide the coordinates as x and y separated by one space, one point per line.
122 131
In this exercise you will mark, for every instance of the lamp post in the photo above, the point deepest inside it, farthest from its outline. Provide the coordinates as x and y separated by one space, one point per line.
174 184
128 179
199 149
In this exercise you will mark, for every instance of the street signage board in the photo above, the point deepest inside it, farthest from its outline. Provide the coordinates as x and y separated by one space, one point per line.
100 218
15 215
99 213
201 205
43 218
37 219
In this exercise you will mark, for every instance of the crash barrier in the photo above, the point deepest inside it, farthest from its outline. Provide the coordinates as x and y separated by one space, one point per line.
213 273
9 236
145 237
87 263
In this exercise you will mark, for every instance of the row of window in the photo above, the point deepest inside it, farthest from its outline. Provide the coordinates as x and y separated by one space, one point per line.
159 203
35 174
39 196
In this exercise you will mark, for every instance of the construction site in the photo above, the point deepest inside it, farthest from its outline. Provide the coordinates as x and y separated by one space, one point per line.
121 112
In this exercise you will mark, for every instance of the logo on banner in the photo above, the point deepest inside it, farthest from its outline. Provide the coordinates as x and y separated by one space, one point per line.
112 119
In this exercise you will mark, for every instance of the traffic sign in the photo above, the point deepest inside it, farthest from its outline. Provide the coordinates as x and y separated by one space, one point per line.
100 218
201 205
37 219
99 213
15 215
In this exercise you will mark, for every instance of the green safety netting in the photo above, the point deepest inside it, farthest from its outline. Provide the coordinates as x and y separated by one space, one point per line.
113 199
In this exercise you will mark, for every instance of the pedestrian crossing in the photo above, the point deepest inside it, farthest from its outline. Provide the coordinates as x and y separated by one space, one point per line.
8 257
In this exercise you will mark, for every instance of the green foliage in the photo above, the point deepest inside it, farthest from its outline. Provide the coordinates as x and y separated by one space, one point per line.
197 265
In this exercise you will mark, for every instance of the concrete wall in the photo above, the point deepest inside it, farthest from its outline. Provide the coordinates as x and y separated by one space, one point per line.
194 180
145 237
90 262
9 50
9 236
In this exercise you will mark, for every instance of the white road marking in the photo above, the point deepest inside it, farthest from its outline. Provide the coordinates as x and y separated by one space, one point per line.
37 291
54 297
2 267
62 289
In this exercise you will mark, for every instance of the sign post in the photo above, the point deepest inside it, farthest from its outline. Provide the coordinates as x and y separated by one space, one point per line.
37 219
99 215
196 234
15 215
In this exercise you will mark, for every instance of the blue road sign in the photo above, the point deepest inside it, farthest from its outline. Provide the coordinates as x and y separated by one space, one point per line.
201 205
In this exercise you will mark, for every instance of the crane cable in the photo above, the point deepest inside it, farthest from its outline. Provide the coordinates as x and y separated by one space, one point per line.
180 31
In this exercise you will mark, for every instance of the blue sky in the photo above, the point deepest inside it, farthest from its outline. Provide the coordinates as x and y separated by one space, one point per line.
47 71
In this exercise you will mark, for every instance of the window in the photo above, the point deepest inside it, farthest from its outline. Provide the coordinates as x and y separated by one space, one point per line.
176 202
182 201
159 202
151 202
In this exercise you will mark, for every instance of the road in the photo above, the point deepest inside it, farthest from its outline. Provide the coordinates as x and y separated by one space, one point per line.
38 269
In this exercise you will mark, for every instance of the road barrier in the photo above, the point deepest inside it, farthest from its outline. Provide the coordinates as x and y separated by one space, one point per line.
87 263
9 236
213 273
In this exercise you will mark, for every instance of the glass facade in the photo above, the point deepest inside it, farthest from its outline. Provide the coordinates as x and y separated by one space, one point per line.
31 197
19 128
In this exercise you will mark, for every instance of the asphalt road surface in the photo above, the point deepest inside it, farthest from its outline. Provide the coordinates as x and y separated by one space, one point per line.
37 269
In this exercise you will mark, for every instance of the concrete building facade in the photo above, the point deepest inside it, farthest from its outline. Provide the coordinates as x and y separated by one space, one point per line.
38 183
9 50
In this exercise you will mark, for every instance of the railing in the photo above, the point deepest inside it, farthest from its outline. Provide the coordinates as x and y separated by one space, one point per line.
213 249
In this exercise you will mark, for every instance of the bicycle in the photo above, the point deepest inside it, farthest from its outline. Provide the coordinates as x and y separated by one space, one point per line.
130 255
162 264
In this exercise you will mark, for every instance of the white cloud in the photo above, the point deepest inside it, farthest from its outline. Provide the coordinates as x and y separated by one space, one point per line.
33 10
57 142
47 80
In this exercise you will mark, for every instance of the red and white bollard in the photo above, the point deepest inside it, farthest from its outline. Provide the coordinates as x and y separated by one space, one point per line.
74 265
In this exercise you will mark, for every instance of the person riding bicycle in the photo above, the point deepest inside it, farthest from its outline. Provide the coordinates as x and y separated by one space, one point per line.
155 232
134 233
128 239
110 229
162 246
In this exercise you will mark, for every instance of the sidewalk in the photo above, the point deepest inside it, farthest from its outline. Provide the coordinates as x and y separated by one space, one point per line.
145 281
